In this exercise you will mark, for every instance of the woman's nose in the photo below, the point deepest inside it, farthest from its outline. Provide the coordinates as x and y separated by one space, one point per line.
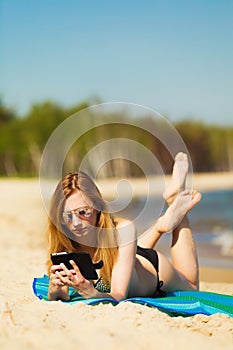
76 221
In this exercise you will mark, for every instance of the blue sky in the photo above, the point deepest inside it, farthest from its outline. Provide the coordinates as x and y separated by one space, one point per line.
175 56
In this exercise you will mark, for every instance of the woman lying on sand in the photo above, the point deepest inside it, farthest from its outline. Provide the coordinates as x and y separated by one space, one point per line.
79 221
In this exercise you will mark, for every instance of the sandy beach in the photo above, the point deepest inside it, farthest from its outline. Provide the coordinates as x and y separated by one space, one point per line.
29 323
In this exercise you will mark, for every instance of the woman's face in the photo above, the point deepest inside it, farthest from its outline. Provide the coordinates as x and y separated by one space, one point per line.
79 215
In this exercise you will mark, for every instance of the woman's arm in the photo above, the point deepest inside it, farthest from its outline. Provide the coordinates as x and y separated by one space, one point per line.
123 268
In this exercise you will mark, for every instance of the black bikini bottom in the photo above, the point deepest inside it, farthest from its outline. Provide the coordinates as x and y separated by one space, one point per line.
152 256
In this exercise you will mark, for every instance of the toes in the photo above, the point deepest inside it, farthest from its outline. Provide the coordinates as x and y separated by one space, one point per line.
185 193
197 197
195 193
181 156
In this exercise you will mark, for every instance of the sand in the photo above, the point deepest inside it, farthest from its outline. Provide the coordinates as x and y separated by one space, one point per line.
28 323
154 185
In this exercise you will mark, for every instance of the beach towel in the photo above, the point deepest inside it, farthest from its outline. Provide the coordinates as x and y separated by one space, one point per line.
180 303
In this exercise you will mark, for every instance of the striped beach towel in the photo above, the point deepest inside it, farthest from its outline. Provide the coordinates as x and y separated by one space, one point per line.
183 303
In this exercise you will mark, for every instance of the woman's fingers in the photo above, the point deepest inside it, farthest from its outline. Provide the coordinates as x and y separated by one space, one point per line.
76 269
62 276
58 283
55 268
66 276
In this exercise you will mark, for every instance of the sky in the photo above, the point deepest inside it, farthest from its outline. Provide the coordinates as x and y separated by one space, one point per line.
174 56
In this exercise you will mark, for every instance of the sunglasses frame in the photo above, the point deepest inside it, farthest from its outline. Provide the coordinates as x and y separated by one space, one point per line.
77 213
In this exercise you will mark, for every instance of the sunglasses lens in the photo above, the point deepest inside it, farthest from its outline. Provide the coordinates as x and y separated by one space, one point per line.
67 217
85 213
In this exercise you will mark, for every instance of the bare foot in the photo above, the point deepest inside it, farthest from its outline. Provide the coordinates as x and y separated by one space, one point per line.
183 203
180 170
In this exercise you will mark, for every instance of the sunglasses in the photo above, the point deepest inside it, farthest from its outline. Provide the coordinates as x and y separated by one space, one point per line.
84 213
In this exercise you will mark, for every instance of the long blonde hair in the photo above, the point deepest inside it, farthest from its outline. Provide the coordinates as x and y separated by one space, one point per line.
60 238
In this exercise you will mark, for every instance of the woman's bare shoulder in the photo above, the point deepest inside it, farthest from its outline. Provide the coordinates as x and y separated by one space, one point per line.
121 222
126 230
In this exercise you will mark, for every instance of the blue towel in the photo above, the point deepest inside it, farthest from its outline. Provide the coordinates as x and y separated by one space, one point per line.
183 303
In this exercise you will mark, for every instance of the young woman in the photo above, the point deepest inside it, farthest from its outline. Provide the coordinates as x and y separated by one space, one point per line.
79 221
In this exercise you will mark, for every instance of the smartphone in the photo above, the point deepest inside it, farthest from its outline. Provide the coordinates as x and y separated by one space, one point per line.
82 260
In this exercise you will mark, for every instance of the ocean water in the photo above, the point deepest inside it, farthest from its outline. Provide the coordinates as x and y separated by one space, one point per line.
212 224
211 221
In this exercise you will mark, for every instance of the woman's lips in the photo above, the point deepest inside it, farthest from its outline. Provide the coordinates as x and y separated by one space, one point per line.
80 231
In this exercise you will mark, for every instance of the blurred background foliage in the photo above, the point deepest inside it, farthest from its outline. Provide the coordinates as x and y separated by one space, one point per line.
22 140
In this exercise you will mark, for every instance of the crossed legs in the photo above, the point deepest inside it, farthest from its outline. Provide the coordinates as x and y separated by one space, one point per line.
182 272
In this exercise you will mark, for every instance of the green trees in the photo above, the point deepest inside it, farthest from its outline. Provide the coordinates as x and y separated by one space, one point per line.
210 147
22 141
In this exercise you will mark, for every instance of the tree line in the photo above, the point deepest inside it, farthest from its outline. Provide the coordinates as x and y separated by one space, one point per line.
22 140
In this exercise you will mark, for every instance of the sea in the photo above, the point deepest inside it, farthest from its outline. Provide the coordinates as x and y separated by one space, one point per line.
211 222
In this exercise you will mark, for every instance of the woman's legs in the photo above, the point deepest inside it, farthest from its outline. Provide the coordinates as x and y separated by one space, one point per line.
182 272
172 218
183 246
183 253
176 185
178 179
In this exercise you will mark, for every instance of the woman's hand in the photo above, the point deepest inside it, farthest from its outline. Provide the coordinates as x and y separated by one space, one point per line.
75 279
57 289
